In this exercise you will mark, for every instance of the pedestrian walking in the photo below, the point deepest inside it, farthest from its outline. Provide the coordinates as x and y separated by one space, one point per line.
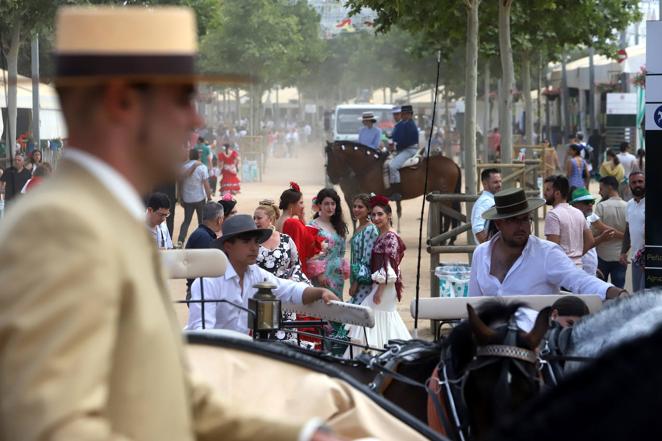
613 213
195 192
576 168
634 238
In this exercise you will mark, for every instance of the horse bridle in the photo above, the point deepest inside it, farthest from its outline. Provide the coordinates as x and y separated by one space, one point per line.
486 355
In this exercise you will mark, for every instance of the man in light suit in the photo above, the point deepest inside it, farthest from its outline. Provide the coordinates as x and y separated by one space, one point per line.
90 348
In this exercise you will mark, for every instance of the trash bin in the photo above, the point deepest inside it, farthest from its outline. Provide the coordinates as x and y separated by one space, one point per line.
453 279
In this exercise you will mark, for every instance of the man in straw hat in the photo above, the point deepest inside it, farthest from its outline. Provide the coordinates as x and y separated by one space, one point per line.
370 135
241 243
515 262
91 349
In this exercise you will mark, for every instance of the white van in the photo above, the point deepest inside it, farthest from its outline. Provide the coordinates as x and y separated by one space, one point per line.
347 120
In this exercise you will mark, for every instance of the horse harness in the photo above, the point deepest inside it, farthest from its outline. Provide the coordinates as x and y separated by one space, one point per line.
447 385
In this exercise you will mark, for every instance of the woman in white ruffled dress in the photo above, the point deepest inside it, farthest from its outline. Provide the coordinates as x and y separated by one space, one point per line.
387 253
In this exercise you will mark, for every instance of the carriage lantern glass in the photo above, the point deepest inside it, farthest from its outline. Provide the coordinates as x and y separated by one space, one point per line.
266 308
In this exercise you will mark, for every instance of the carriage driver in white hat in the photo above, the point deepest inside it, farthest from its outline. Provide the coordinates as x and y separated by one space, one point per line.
91 348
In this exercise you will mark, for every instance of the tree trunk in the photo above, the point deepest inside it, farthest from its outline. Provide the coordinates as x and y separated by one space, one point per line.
471 91
508 78
591 90
12 78
565 100
448 146
528 103
34 58
503 118
237 105
486 114
539 101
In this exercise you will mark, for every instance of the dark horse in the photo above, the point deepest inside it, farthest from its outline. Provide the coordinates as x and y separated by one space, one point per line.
360 169
488 387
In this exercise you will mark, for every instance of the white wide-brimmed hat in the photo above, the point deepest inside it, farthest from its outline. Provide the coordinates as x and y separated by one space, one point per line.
93 44
368 116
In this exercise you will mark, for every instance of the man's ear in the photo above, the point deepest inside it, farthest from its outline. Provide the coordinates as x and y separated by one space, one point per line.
120 101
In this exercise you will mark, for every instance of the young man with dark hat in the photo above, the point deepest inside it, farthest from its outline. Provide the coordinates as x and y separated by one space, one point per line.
405 138
92 348
369 135
515 262
241 243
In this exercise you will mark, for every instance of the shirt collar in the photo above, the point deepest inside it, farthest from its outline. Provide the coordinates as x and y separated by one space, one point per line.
230 272
113 181
488 193
208 230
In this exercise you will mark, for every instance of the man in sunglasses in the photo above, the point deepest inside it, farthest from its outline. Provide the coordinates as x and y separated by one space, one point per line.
515 262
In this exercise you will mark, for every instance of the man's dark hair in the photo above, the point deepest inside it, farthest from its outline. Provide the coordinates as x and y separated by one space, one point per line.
580 136
158 200
193 155
624 146
201 139
560 183
636 172
610 182
571 305
486 174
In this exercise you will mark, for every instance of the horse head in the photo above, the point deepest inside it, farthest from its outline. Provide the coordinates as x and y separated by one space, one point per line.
500 365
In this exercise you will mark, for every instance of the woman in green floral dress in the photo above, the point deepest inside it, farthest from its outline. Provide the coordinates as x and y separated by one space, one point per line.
361 250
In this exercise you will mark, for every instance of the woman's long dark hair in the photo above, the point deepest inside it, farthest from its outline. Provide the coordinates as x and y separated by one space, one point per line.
612 155
337 219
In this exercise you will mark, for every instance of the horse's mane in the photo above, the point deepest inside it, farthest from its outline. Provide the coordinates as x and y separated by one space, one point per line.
351 145
619 321
614 398
460 341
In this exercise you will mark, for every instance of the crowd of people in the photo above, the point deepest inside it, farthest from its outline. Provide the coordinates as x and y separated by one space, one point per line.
595 240
306 260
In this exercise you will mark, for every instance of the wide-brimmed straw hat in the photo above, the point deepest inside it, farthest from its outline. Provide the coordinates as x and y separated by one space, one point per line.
156 44
368 116
511 203
241 224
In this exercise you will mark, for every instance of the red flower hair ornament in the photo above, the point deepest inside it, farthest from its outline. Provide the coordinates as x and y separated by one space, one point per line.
294 186
379 200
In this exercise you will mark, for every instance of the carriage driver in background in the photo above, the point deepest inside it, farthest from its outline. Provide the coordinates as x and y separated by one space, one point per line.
369 135
515 262
405 138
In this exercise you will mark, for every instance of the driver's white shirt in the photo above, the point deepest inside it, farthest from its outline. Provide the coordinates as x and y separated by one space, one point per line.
543 268
226 287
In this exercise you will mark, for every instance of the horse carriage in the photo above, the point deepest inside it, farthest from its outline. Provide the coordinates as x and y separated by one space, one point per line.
461 387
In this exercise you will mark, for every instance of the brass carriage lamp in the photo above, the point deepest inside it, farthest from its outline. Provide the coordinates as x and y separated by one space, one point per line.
266 310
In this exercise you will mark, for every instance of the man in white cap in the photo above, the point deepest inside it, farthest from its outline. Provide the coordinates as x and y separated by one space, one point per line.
91 349
369 135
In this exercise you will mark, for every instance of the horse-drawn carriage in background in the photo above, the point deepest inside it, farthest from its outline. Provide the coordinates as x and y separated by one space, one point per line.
460 387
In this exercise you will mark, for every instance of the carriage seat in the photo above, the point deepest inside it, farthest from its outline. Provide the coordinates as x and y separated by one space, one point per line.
455 308
191 264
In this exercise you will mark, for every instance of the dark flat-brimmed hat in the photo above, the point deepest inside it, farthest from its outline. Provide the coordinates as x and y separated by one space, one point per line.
510 203
228 203
158 44
407 108
242 224
368 116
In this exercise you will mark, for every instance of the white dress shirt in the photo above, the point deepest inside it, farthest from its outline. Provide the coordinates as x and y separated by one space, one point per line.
226 287
483 203
161 236
636 218
114 182
543 268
